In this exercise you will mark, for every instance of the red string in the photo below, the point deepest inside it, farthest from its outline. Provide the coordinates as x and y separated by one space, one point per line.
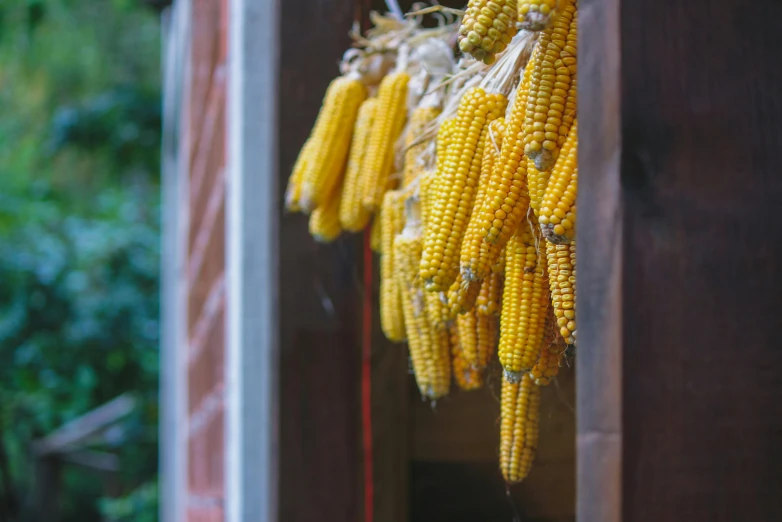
366 382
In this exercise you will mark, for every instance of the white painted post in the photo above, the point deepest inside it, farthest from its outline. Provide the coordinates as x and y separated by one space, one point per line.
173 289
252 262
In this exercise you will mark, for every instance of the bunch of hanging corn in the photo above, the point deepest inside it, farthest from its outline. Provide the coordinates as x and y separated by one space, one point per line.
472 169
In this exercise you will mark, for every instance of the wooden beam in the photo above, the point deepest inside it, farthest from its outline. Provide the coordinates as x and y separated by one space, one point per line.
600 226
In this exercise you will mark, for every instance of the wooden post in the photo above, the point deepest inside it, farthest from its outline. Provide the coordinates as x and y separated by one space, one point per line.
679 386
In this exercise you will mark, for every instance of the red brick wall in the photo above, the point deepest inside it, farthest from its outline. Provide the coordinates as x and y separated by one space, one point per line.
206 262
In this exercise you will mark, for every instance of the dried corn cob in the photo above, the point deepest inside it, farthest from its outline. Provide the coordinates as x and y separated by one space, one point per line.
421 118
507 199
455 191
389 119
478 336
429 349
551 83
551 354
328 146
437 310
293 191
562 281
392 319
519 423
470 256
324 222
487 28
535 15
462 296
488 302
466 375
352 214
558 210
524 302
376 235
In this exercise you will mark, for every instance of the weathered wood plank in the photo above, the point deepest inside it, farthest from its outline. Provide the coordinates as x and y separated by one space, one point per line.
599 299
702 126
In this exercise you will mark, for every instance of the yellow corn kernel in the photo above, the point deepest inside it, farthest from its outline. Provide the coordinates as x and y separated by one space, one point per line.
472 264
420 120
467 376
551 83
392 222
488 302
329 142
524 302
389 120
519 424
507 200
558 209
562 281
324 222
535 15
487 28
454 192
429 349
352 214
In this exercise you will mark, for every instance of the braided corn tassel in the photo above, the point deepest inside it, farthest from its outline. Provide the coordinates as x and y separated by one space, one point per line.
535 15
519 424
429 349
455 190
352 214
467 376
507 199
488 302
472 265
392 319
324 222
328 146
388 123
562 281
551 83
558 210
487 28
421 118
524 303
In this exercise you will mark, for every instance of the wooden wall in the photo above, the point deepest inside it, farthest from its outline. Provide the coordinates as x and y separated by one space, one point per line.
679 252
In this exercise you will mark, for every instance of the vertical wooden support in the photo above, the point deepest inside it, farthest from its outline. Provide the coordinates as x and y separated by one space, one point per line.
679 255
599 357
252 233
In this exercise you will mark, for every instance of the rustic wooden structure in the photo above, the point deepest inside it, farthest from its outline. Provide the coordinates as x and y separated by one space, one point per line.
678 384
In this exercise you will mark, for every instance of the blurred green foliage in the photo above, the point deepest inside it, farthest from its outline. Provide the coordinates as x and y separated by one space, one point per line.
79 241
